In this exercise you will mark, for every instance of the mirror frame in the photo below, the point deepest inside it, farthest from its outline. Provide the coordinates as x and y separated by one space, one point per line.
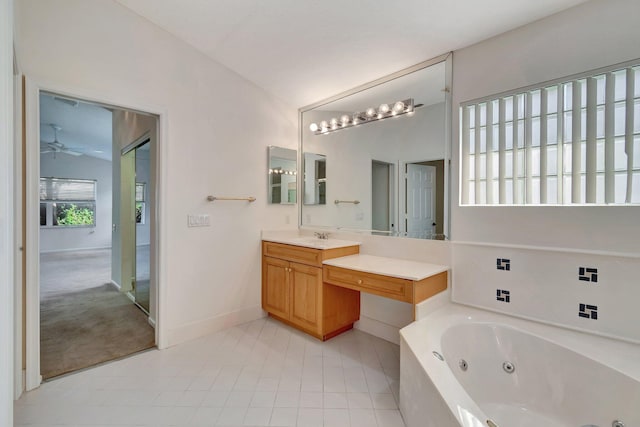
447 58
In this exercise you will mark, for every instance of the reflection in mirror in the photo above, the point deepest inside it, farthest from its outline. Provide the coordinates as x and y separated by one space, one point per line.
283 171
389 151
315 179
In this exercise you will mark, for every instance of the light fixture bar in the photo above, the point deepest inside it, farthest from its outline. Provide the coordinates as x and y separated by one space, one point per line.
369 115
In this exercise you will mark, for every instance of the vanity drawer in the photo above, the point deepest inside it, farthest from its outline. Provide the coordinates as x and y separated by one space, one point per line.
304 255
385 286
299 254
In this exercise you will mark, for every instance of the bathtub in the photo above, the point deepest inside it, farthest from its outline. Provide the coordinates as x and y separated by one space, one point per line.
495 370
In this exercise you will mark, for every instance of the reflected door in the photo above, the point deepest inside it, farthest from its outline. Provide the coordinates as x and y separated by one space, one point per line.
143 229
135 168
420 200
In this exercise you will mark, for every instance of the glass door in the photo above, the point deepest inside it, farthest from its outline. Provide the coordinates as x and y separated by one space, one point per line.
143 228
136 225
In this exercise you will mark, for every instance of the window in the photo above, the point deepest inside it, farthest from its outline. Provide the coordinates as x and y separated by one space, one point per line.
67 202
572 141
140 202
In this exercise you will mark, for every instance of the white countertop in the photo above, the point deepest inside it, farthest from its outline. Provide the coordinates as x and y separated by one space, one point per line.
310 241
403 269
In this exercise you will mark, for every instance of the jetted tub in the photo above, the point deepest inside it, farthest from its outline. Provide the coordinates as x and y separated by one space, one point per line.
498 370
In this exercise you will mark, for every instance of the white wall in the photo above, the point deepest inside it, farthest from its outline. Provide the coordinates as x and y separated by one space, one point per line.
543 278
98 48
6 213
592 35
80 167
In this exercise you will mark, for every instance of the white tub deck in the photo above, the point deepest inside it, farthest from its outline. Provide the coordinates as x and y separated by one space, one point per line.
432 396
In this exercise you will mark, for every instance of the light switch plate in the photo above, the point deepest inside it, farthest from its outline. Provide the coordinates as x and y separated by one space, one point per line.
198 220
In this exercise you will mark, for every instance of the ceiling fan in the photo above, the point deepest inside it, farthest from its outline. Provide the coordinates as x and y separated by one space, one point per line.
56 146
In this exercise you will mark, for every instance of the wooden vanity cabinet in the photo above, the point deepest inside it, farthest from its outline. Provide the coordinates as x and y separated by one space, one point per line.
293 290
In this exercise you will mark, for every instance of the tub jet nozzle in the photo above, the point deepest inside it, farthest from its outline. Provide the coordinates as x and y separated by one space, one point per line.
508 367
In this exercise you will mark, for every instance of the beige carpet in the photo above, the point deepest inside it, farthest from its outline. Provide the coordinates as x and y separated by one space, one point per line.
84 320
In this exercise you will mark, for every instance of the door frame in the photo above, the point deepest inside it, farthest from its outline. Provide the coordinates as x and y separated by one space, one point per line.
33 89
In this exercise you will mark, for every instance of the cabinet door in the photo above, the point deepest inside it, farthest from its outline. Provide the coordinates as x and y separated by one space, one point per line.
275 287
306 296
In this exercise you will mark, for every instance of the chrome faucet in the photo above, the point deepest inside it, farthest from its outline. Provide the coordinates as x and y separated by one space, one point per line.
322 236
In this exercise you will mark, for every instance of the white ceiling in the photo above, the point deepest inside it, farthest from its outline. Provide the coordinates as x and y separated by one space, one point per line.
85 127
306 50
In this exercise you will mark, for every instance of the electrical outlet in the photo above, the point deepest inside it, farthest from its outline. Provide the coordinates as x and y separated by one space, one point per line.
199 220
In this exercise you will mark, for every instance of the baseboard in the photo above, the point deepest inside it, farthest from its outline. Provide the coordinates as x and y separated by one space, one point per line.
152 322
378 329
115 284
201 328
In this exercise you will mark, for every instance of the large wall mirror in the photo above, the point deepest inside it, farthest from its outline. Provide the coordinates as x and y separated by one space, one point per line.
385 152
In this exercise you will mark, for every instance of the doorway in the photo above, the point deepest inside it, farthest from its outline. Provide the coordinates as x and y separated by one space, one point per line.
81 313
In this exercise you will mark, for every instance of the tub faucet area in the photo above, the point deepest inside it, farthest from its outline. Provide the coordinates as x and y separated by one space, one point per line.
322 236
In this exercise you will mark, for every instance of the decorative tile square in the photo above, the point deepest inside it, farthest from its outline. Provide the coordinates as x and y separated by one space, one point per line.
588 311
503 264
503 295
587 274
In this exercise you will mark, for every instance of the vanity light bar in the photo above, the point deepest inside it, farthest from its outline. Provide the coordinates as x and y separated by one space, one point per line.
282 172
384 111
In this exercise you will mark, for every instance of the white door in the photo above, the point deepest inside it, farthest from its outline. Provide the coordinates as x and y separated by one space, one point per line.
420 200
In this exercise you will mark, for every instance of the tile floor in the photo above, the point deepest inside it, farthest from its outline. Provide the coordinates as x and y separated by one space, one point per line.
262 373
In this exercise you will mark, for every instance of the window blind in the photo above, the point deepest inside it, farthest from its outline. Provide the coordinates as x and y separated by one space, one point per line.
140 191
62 189
570 141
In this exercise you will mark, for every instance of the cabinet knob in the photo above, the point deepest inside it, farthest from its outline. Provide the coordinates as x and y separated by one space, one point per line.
359 281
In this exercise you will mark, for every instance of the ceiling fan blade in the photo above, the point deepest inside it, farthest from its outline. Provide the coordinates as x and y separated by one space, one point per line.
71 152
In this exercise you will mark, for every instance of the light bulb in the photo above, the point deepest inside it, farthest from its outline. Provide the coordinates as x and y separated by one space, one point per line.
380 115
344 119
313 127
383 108
334 123
398 107
324 125
370 112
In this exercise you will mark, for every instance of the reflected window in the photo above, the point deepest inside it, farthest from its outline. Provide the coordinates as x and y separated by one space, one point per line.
140 202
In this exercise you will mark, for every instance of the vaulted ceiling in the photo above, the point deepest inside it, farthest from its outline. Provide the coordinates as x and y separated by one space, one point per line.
306 50
303 51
